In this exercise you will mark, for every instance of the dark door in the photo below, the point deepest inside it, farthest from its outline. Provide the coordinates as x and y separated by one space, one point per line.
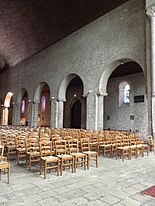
76 114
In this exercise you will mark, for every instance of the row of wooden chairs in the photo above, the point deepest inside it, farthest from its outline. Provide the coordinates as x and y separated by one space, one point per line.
63 153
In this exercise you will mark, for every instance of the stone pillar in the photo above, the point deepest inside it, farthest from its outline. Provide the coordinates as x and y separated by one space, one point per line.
54 113
30 113
13 114
18 111
151 13
60 112
92 110
35 114
5 116
100 111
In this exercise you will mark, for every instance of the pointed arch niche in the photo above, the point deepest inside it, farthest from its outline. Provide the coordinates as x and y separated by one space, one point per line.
75 105
7 109
121 112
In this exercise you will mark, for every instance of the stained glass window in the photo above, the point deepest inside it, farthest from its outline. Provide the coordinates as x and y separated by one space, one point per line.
23 106
43 103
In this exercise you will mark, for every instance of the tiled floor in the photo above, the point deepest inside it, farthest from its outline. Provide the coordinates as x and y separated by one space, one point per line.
114 183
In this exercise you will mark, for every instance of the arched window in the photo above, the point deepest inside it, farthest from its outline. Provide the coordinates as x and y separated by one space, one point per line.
43 103
23 106
124 93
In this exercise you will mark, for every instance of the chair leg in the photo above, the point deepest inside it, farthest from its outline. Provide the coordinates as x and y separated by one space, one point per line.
88 161
40 166
9 174
75 164
61 167
72 165
85 163
45 165
97 160
58 168
29 162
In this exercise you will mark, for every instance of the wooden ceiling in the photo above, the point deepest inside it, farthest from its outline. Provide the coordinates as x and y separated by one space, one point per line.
29 26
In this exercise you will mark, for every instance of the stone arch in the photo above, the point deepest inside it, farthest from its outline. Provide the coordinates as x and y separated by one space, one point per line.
108 71
21 119
126 116
8 99
20 95
70 88
41 118
38 92
7 110
63 86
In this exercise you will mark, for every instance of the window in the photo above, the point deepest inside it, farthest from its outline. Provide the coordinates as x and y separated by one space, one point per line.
23 106
43 103
124 93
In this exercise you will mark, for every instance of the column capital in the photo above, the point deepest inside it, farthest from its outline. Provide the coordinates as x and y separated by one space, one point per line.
100 93
151 12
88 93
52 99
61 100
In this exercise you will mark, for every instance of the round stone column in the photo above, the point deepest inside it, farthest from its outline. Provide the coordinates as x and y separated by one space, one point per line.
151 14
60 112
100 110
54 113
91 110
35 114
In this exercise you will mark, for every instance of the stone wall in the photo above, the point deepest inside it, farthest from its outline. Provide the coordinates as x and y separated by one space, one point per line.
88 52
126 116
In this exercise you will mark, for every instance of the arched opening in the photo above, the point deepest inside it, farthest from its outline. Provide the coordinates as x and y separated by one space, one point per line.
76 114
44 106
121 112
7 109
24 108
75 105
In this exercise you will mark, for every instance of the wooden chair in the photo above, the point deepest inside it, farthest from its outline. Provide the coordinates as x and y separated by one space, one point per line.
47 160
124 151
32 151
142 148
94 142
79 157
62 153
91 155
3 163
10 146
150 142
106 148
20 148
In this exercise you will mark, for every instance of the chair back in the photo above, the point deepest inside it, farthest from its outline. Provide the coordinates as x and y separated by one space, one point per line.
85 144
73 146
46 148
60 147
1 152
